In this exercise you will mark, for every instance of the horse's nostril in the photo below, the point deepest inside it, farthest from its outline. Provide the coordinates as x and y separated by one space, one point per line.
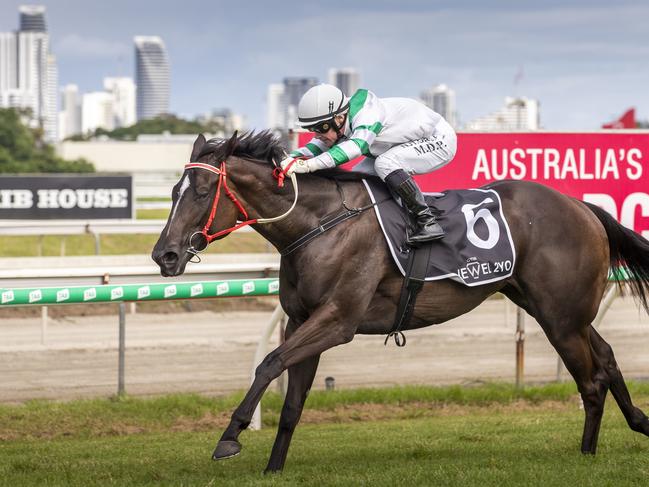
170 258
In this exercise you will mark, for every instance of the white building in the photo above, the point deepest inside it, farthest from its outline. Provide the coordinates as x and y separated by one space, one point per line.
32 67
109 109
8 62
282 100
226 118
517 114
275 111
97 112
441 99
70 114
347 79
28 73
51 107
152 77
123 92
17 99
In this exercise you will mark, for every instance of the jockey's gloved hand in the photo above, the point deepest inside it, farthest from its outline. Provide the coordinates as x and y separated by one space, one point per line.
297 166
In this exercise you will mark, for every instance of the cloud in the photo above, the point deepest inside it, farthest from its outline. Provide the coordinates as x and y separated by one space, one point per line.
74 45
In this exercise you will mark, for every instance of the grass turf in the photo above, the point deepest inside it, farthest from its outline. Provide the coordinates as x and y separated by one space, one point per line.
493 435
116 245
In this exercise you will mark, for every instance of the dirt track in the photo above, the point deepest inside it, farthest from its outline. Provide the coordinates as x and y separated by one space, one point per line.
213 352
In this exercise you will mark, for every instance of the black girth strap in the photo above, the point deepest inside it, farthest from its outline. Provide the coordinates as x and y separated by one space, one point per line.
329 224
412 284
324 226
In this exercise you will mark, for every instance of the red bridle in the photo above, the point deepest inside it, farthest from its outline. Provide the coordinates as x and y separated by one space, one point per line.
278 173
222 182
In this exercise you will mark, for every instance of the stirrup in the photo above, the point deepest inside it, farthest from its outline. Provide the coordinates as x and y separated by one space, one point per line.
425 237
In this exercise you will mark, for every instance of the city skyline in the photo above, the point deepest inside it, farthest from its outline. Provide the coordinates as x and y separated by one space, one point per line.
227 57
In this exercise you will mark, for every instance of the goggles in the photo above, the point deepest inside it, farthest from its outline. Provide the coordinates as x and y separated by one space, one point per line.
321 127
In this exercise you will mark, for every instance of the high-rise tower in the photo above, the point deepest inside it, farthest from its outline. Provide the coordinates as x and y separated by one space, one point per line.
152 77
347 79
441 99
32 18
28 73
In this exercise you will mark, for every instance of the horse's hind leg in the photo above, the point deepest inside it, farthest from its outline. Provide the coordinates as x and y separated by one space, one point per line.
573 346
571 341
636 419
300 379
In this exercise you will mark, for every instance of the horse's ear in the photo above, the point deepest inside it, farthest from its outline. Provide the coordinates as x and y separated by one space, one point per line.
198 145
231 144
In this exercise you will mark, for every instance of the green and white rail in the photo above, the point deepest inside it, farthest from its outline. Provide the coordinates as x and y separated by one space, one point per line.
122 293
44 296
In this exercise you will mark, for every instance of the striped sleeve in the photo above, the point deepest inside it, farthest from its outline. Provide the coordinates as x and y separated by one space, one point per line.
313 148
366 118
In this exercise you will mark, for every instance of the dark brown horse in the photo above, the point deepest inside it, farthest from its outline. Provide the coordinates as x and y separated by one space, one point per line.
344 282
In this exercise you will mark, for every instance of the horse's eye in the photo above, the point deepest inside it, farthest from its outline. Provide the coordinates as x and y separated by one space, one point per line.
202 193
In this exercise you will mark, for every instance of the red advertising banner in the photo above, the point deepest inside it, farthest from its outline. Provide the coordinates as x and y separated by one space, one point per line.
610 169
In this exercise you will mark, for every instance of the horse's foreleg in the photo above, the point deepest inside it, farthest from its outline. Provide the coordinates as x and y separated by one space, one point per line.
300 378
325 329
269 369
636 419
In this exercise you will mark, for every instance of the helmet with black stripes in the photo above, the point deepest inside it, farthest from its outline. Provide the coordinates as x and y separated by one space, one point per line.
320 104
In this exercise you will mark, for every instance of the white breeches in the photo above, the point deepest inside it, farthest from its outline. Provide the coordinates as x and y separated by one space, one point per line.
419 156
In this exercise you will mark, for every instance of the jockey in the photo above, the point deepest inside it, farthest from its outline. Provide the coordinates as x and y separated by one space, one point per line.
398 137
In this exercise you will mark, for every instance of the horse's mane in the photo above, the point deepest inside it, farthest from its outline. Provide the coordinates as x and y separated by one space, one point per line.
261 146
265 146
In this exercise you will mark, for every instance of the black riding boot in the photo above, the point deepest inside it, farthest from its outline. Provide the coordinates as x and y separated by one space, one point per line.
427 227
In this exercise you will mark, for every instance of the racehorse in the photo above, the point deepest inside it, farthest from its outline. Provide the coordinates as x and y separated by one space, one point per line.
344 281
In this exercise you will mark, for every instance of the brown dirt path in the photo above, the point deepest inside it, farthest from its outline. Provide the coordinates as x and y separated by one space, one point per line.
212 352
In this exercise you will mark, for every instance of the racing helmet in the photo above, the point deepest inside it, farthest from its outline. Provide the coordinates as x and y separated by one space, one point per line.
319 104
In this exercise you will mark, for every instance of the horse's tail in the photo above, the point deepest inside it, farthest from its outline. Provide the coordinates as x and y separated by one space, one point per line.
629 253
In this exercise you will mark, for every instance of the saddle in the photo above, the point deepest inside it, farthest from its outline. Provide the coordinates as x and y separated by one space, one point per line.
477 248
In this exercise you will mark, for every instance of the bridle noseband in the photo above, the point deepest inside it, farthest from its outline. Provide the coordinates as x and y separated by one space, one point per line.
223 182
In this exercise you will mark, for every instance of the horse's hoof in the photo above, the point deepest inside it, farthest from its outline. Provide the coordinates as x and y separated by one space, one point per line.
226 449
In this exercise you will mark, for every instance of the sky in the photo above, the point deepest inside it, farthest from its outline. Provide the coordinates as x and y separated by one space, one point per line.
585 61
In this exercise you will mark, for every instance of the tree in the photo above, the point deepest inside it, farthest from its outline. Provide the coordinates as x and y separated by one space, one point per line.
161 124
23 149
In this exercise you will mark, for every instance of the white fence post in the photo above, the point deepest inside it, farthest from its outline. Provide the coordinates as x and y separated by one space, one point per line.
277 316
44 321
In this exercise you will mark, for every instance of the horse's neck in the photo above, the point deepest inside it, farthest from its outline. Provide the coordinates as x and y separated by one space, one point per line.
318 197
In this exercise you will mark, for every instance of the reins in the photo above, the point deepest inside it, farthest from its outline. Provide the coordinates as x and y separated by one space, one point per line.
221 171
279 174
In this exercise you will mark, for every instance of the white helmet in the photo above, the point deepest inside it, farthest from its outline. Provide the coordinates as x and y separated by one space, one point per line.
320 103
